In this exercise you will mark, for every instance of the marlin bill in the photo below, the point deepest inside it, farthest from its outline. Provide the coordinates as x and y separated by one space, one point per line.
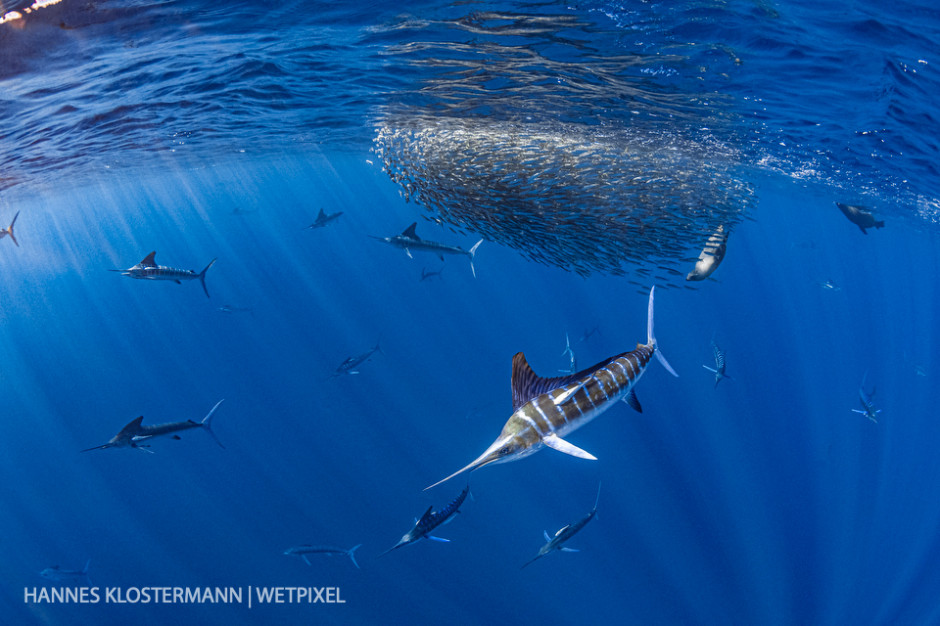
149 270
547 409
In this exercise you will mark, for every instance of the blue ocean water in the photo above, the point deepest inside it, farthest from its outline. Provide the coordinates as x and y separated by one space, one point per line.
208 131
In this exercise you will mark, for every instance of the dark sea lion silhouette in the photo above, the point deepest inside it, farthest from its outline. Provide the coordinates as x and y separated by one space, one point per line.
860 216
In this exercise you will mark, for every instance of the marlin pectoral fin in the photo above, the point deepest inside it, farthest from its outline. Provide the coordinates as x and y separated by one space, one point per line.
408 252
567 394
545 533
555 442
304 557
630 399
710 369
564 549
441 539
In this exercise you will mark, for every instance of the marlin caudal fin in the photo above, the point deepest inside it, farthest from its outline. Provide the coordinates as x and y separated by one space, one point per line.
202 276
351 552
207 420
10 229
472 252
651 338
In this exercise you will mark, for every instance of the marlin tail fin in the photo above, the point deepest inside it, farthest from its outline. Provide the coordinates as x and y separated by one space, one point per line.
202 276
207 420
10 229
651 338
351 552
472 252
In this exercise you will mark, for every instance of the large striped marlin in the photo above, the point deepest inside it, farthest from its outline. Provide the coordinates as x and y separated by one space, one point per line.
132 435
547 409
149 270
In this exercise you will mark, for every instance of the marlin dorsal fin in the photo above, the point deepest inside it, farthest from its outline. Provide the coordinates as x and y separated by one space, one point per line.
526 385
133 426
427 514
149 260
410 232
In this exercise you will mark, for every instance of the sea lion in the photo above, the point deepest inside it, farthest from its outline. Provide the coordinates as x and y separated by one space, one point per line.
860 216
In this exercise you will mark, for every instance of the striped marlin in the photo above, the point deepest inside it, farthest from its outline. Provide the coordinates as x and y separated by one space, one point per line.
304 550
149 270
719 369
409 241
135 432
866 399
9 230
60 575
557 542
431 520
547 409
712 255
324 218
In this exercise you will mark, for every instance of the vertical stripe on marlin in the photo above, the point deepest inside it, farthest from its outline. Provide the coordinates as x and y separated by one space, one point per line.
545 419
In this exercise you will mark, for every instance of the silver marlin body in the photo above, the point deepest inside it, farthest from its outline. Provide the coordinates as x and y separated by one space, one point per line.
149 270
712 255
136 435
9 230
547 409
408 240
558 540
431 520
304 550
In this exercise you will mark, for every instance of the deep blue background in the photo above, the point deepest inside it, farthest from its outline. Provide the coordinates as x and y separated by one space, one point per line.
764 500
